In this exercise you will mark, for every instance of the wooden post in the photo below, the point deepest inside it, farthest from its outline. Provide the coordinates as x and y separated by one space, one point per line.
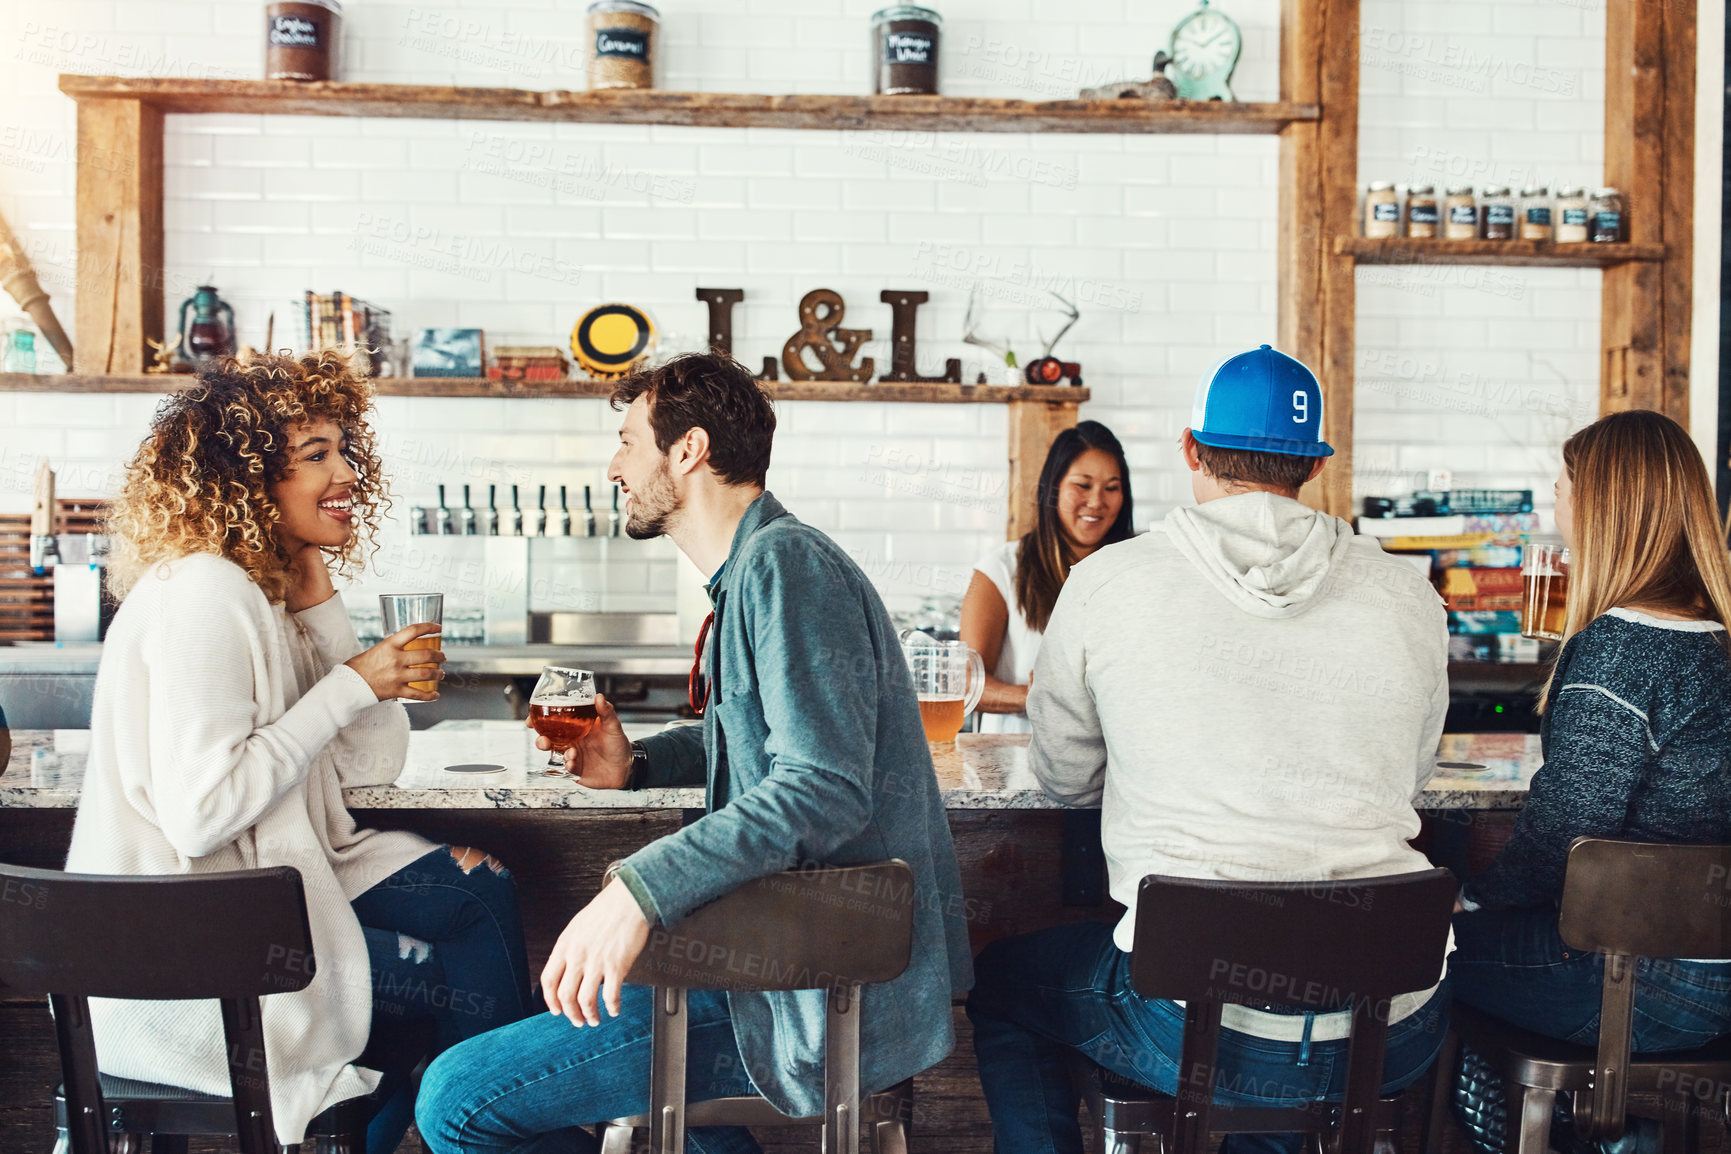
1646 308
1032 427
1318 201
119 234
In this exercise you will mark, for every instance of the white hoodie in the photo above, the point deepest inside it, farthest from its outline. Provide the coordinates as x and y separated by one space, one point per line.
1251 693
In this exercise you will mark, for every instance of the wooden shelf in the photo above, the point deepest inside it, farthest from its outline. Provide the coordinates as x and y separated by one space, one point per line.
888 392
706 109
1524 253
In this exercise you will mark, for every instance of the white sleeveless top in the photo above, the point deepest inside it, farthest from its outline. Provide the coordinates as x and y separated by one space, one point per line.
1021 645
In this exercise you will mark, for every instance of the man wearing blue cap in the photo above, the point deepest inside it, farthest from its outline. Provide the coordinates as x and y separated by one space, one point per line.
1251 693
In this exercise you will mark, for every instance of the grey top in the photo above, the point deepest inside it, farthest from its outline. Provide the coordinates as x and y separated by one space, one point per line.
1637 743
811 751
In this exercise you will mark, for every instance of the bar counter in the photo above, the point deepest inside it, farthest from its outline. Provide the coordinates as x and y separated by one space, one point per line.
976 772
1026 863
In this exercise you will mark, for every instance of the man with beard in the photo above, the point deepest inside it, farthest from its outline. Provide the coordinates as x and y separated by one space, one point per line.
812 751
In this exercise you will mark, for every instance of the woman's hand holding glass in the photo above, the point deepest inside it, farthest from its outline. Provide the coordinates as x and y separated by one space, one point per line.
392 670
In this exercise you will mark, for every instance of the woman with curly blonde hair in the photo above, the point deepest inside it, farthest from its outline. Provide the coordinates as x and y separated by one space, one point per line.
232 707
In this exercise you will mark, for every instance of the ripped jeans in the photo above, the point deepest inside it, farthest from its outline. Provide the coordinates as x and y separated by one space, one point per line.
445 941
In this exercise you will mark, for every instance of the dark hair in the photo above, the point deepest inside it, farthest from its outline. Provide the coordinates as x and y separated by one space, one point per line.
1044 557
1284 471
716 394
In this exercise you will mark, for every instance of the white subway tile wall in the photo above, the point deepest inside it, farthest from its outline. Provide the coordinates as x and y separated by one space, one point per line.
1167 244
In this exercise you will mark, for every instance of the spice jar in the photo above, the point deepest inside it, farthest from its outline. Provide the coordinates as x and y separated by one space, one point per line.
1460 213
1498 213
622 44
1421 212
300 39
1571 227
905 48
1605 216
1381 210
1535 214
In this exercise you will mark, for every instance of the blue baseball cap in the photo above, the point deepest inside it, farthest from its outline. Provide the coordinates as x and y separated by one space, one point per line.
1262 400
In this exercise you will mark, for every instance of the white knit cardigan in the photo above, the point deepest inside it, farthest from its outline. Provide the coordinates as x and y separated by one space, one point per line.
222 734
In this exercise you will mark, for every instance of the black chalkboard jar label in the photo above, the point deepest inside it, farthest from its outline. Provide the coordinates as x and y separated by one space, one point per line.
627 42
908 48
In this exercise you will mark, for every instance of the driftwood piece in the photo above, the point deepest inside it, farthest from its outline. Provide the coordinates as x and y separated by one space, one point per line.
19 281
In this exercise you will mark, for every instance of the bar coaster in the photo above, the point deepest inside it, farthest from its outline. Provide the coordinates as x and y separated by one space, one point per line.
475 768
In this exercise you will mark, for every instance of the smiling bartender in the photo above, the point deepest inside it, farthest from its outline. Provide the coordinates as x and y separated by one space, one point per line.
1084 503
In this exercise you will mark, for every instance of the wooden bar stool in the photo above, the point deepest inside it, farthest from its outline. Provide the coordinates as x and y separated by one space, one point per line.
1328 946
1628 901
231 936
832 929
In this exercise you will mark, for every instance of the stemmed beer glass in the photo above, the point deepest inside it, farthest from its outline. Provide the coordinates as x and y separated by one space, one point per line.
562 709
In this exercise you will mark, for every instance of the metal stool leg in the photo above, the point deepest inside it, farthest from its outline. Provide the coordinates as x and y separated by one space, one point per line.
62 1141
616 1139
1529 1120
841 1071
890 1119
667 1072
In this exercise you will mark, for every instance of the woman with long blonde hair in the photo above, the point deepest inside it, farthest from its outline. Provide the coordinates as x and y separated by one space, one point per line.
1636 732
232 707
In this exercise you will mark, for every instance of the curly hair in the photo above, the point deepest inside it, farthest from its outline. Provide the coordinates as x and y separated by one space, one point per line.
200 482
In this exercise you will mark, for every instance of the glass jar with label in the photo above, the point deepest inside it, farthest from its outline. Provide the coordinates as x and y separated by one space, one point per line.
300 39
622 44
905 50
1571 215
1421 211
1460 214
1535 214
1497 211
1605 217
1381 211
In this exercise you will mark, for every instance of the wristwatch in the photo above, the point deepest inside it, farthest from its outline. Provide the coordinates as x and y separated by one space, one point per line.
639 766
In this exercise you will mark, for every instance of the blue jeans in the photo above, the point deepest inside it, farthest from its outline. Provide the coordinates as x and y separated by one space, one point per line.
526 1088
1038 996
443 944
1513 963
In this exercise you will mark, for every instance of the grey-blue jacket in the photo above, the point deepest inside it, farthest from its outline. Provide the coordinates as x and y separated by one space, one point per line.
812 751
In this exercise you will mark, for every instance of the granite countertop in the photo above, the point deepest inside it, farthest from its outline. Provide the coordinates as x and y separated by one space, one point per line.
43 660
977 771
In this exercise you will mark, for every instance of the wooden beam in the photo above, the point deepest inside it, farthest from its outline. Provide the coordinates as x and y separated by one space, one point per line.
870 393
1404 250
1033 425
119 281
1323 304
716 109
1299 310
1632 304
1677 216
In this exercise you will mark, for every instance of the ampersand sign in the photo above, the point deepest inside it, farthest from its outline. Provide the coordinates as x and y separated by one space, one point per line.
820 314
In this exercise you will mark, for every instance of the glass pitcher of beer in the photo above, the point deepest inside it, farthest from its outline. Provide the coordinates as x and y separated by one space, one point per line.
562 709
1545 591
949 678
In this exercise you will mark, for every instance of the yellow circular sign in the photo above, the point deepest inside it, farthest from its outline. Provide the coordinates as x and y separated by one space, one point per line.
611 339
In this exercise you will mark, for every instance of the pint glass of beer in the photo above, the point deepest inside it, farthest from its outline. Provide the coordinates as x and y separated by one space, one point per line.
1545 591
562 709
402 609
949 678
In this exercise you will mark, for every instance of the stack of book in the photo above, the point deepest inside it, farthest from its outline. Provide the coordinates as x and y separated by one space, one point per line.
527 363
340 321
1474 559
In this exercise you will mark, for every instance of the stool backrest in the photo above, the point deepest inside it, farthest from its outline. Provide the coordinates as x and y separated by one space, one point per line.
1631 900
832 929
800 930
1345 945
1647 900
230 936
